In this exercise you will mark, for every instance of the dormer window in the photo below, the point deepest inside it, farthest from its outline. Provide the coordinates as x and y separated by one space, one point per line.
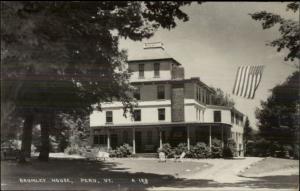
109 117
141 70
156 70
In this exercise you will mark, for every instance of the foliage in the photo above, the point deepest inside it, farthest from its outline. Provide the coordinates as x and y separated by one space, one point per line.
15 145
248 133
258 147
200 150
221 99
77 65
216 148
289 30
11 127
229 150
181 147
167 149
73 129
75 149
278 115
121 151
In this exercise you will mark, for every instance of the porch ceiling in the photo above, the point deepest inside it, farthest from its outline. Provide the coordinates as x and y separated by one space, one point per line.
162 124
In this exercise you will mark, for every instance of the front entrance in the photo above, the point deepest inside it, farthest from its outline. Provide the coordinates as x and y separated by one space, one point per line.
138 141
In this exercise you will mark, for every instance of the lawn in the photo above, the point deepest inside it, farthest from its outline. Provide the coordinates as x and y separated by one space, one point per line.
143 174
66 174
271 165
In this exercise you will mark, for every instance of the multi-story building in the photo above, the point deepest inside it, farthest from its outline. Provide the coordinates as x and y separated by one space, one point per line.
171 109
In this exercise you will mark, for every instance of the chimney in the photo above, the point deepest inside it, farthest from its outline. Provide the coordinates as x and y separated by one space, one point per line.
177 72
152 45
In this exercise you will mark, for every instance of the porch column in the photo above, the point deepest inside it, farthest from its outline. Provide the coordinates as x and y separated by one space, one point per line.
210 137
108 138
222 137
133 140
160 138
188 137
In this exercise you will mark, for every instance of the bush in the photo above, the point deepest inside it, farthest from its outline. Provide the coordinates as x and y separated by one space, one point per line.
216 148
229 150
167 149
182 147
296 151
200 150
15 144
122 151
75 149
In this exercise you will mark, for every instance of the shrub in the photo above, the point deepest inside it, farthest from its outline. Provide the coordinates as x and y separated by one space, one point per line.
167 149
182 147
216 148
296 151
229 150
75 149
200 150
121 151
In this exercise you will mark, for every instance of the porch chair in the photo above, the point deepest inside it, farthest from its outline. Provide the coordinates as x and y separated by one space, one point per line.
102 155
179 157
162 157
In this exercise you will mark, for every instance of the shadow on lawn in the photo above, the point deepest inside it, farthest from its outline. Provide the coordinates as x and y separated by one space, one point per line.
108 177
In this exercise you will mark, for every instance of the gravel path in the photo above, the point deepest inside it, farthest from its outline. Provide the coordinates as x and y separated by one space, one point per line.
225 171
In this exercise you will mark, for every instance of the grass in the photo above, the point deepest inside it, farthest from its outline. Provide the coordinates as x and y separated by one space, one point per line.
270 164
120 171
118 174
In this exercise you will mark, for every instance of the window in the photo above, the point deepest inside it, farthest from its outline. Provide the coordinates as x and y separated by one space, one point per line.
156 69
149 137
207 98
137 115
141 71
100 139
161 114
160 92
217 116
137 94
109 117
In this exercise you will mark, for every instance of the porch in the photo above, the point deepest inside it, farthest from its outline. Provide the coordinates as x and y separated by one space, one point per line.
147 138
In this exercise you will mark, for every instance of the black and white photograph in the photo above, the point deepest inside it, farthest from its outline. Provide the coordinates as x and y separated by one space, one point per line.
150 95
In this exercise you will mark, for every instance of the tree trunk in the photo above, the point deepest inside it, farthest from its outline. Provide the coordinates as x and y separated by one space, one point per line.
45 143
26 138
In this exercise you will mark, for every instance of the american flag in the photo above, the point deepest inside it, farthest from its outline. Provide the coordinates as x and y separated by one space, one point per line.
247 80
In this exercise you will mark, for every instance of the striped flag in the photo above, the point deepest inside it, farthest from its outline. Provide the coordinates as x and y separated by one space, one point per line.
247 80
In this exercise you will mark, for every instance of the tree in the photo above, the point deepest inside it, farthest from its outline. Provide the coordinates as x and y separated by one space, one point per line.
221 99
278 115
247 133
64 57
289 30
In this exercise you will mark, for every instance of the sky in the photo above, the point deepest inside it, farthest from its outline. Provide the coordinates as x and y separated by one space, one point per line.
219 37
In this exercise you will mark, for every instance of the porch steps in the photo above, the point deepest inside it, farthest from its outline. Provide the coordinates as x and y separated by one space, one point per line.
146 155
